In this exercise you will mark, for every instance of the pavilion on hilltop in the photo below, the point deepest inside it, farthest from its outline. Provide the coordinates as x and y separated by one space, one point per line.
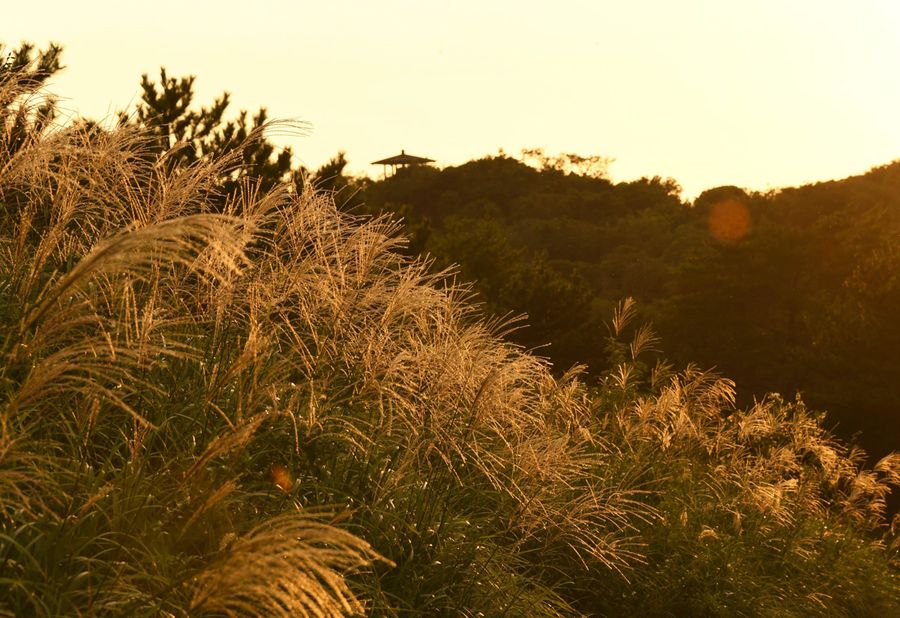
401 160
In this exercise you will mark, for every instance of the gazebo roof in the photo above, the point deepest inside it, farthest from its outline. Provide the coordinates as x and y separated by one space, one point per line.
403 159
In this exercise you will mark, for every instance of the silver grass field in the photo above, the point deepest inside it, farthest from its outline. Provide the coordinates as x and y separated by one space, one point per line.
252 405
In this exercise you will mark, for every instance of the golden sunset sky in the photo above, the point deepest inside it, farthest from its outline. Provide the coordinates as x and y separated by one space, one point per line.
757 93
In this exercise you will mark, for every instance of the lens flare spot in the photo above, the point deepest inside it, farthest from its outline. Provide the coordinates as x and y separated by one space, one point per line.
281 477
729 221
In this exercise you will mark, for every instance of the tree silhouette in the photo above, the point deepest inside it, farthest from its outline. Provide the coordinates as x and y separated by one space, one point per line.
190 133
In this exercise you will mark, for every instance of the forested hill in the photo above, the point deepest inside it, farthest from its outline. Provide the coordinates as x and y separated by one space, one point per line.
790 291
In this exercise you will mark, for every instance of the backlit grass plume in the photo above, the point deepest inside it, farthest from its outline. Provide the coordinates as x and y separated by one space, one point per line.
251 404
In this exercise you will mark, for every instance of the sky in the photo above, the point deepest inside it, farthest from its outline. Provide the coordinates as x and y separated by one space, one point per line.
760 94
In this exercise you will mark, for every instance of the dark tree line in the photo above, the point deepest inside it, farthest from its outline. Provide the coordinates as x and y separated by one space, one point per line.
793 291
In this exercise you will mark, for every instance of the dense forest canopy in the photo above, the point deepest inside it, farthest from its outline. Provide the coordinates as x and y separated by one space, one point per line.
792 291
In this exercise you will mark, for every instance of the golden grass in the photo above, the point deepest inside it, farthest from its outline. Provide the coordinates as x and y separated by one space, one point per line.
188 378
287 566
